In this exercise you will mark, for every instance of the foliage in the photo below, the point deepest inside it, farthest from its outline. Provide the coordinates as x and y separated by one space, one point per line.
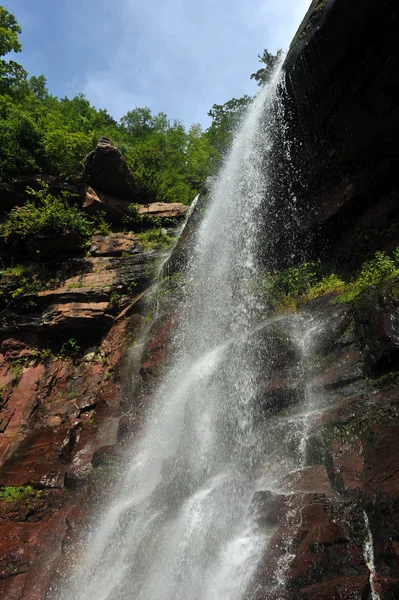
70 349
283 289
10 71
16 494
154 238
263 75
225 119
374 271
45 215
137 221
40 132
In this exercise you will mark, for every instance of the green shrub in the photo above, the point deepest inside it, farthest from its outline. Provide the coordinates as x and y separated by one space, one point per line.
70 349
374 271
282 288
154 238
139 222
48 215
330 283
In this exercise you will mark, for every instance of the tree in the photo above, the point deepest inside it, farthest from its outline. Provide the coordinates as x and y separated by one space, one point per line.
263 75
37 85
10 71
225 118
138 121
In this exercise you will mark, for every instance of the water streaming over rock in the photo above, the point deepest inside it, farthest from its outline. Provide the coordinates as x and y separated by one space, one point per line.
180 526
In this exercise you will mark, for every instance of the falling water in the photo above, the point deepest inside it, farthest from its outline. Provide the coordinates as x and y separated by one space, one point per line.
369 557
180 527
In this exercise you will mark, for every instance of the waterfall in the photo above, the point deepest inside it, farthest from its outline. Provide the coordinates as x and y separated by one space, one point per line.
180 526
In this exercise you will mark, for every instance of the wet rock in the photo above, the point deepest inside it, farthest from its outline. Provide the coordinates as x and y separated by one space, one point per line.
106 170
278 394
376 313
107 455
128 425
308 480
341 106
268 508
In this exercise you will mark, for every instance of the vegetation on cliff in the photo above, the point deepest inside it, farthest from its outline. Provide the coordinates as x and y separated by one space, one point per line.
286 287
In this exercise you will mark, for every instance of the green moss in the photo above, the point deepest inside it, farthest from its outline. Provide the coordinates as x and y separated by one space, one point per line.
16 494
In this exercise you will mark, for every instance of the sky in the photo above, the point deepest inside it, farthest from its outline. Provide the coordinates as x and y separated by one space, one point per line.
175 56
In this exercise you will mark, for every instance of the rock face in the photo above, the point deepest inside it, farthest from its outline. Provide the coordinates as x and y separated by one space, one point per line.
347 493
342 81
65 418
98 202
62 355
163 210
105 169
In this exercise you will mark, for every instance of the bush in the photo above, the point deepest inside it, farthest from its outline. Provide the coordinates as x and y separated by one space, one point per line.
70 349
46 215
373 271
139 222
282 288
154 238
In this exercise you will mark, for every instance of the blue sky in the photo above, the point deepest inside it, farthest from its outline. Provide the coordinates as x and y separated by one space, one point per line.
175 56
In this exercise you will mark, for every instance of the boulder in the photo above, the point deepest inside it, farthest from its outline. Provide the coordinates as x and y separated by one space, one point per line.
106 170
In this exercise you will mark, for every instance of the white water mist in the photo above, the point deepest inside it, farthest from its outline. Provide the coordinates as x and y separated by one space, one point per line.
179 527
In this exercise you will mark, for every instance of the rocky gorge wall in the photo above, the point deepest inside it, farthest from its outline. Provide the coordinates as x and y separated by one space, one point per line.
66 418
64 352
336 519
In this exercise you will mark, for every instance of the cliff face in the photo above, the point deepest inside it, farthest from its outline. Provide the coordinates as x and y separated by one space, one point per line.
342 78
336 520
65 416
64 350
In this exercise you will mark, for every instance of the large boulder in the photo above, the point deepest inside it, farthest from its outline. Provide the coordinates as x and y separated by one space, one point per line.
106 170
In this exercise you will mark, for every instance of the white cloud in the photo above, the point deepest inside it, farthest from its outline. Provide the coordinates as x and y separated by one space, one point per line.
181 56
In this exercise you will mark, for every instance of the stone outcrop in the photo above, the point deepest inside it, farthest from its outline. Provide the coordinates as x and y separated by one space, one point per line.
163 210
106 170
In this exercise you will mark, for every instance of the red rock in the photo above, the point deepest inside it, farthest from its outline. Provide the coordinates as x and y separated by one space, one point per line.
339 588
309 480
39 459
163 209
114 244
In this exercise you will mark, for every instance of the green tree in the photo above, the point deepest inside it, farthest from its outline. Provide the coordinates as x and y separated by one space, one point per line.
37 85
263 75
225 118
10 71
